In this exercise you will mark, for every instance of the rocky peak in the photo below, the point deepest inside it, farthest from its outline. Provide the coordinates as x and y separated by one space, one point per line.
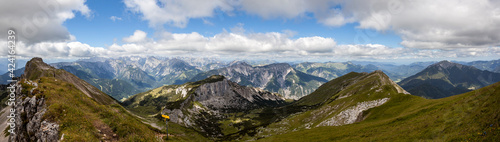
447 64
36 68
278 66
239 63
385 80
218 93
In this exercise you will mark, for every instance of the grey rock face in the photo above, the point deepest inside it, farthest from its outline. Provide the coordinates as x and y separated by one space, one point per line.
226 95
352 114
280 78
29 123
210 101
48 132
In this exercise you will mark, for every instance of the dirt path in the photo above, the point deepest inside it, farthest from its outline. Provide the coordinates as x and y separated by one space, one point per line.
144 120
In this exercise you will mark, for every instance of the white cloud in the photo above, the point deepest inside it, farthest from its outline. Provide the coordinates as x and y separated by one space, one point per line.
424 24
276 8
56 50
429 24
371 51
138 36
40 20
115 18
271 45
315 44
175 12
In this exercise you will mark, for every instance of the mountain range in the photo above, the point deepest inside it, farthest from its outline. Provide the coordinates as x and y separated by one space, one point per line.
215 106
493 66
279 77
446 78
123 77
332 70
353 107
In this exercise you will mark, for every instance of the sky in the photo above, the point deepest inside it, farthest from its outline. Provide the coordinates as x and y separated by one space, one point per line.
283 30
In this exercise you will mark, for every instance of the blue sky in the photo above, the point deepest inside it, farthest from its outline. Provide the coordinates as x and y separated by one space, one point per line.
301 30
90 30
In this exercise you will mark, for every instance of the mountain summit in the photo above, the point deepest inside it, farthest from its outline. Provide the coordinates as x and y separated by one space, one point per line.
279 77
446 78
342 101
206 104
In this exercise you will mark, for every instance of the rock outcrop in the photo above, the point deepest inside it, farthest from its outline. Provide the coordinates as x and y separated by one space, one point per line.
30 125
352 114
226 95
208 104
219 95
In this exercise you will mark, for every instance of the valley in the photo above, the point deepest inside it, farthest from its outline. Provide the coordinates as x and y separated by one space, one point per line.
352 106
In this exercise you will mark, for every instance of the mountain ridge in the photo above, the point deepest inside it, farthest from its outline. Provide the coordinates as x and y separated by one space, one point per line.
341 101
278 77
446 78
472 116
204 104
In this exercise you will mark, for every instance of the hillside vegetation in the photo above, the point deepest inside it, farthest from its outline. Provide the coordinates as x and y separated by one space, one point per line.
473 116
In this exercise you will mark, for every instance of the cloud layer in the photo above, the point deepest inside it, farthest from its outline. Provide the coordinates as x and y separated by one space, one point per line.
271 45
429 29
40 20
425 24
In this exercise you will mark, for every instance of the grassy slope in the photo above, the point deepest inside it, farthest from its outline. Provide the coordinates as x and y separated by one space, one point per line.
329 100
80 117
473 116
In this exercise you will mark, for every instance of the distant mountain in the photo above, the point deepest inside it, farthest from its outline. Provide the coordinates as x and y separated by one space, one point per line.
53 104
280 78
102 76
5 77
115 87
400 72
125 76
332 70
446 78
493 66
175 71
203 63
215 106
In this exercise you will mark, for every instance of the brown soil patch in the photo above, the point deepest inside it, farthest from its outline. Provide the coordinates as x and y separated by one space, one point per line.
105 132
